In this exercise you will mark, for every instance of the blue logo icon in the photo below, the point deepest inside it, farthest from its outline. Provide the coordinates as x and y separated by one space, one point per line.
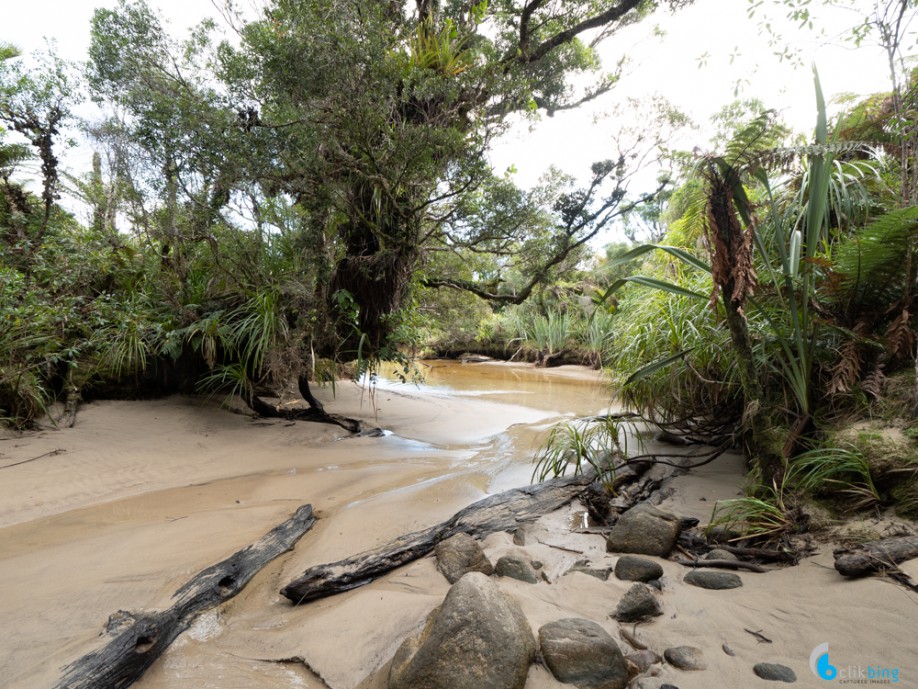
820 665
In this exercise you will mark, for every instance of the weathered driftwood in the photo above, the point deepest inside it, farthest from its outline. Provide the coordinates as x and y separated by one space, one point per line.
501 512
137 639
875 556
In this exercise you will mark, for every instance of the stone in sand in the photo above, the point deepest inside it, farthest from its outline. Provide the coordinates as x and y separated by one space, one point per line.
685 658
582 653
515 568
583 566
721 554
713 580
645 530
634 568
459 555
774 672
478 638
642 660
637 604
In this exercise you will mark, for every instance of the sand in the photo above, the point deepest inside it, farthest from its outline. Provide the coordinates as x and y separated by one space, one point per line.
142 495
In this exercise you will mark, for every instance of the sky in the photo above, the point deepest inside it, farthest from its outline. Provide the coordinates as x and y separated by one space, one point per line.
703 57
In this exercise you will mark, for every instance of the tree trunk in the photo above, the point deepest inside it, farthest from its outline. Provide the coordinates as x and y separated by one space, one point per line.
875 556
501 512
138 639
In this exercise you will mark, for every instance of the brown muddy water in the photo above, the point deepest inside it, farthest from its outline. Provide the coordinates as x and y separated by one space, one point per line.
119 511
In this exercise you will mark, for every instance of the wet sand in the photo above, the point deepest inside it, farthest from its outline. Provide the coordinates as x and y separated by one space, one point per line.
148 493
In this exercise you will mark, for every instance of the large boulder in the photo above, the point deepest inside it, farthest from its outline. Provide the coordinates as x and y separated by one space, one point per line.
478 638
644 530
582 653
459 555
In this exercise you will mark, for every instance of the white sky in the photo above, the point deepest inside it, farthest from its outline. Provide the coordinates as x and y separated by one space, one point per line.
572 140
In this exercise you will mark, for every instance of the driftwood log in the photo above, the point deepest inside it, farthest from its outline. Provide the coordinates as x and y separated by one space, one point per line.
875 556
501 512
137 639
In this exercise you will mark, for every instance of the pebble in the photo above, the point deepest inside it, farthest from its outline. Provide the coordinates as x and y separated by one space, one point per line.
715 581
775 673
685 658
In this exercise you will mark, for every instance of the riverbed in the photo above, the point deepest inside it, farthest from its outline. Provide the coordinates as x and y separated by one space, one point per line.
119 511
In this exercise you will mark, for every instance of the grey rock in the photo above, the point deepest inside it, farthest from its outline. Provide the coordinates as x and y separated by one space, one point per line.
637 604
634 568
460 554
519 537
478 638
642 660
515 568
537 564
645 530
685 657
713 580
726 649
775 672
582 653
583 566
721 554
720 534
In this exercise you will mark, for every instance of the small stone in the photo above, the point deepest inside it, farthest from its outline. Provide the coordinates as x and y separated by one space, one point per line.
774 672
637 604
536 564
720 534
459 555
582 653
656 583
715 581
721 554
642 660
519 537
633 568
516 568
728 650
583 566
685 658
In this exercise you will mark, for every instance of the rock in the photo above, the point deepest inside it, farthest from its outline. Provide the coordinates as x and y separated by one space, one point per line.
519 537
720 534
685 658
582 653
721 554
726 649
642 660
637 604
478 638
713 580
460 554
515 568
645 530
633 568
583 566
537 564
774 672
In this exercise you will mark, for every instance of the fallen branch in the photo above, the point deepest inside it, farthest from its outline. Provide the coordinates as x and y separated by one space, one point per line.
758 635
52 453
501 512
139 638
759 553
722 564
875 556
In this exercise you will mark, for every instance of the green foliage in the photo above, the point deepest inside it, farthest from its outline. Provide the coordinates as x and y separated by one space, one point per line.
576 446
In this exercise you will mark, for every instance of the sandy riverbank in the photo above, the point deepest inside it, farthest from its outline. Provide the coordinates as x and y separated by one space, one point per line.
145 494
